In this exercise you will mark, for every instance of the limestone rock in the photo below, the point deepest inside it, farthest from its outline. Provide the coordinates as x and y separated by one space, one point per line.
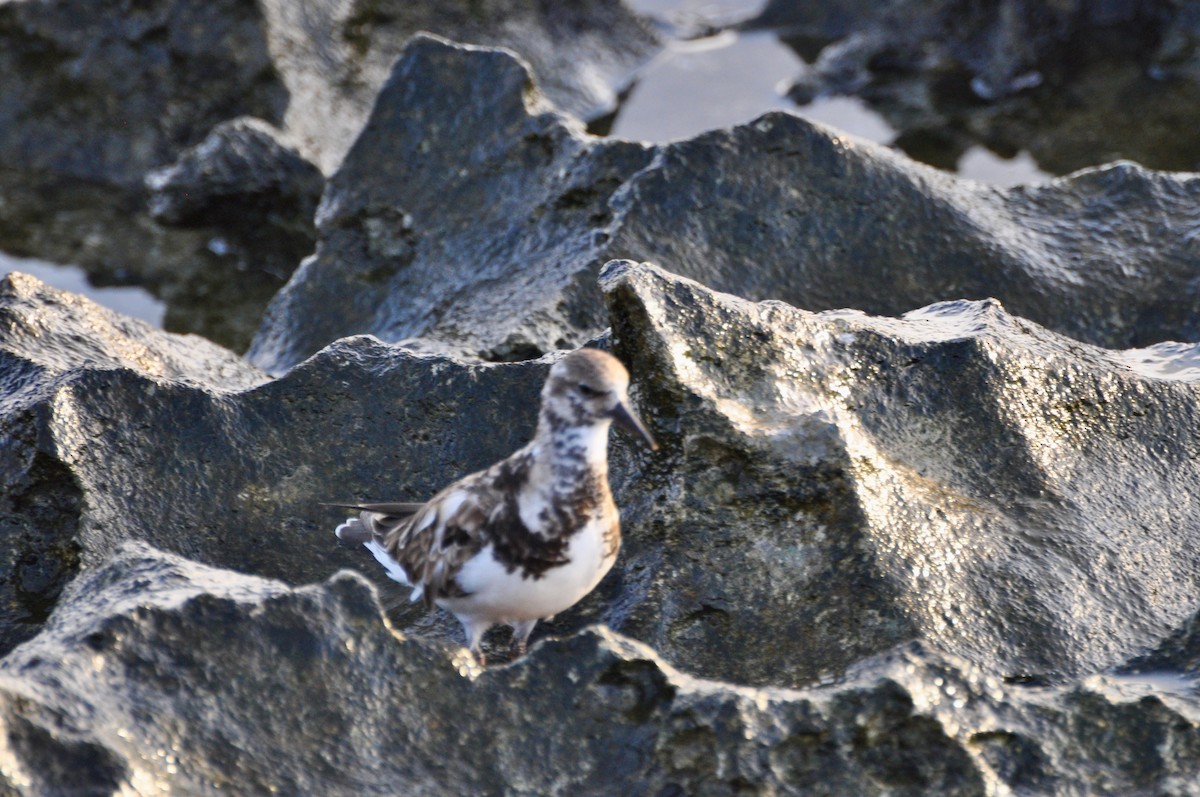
470 219
834 484
157 673
335 56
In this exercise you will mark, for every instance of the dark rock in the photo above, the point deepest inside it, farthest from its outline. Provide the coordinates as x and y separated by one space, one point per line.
467 192
999 48
209 279
1073 83
832 485
104 91
204 681
474 224
822 21
334 57
50 343
252 198
240 175
92 96
115 431
157 673
1179 652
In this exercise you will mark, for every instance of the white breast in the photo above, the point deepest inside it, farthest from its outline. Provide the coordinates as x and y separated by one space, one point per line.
498 596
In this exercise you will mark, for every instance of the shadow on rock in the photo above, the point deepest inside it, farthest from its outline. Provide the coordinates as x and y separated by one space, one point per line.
471 219
160 673
1074 84
96 98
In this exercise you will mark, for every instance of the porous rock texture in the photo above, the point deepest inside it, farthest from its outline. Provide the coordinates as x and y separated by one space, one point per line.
159 674
96 96
947 553
1072 83
834 484
469 218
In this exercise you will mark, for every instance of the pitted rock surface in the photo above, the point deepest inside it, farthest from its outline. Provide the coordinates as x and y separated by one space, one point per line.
471 219
94 97
834 484
157 673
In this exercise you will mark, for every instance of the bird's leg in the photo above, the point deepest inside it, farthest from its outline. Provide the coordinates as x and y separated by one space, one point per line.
475 630
520 638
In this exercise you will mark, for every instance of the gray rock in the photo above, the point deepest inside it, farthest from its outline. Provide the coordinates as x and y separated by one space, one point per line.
835 484
241 175
211 280
157 673
113 431
831 486
95 95
1073 84
838 499
252 198
466 209
48 335
1000 48
52 345
92 95
470 219
103 92
334 58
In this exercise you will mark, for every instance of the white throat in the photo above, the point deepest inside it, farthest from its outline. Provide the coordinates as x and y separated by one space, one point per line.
564 460
592 440
563 455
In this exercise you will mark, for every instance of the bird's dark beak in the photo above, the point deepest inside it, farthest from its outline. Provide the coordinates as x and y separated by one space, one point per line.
625 417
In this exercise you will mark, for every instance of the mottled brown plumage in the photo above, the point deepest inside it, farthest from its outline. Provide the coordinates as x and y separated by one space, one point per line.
529 536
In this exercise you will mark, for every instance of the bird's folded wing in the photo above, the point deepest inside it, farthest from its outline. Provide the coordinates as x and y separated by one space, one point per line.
434 544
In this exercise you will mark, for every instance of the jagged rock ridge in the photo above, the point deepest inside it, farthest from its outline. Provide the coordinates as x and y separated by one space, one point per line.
471 219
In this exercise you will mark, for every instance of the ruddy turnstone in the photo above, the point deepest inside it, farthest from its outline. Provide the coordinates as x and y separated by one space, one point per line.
531 535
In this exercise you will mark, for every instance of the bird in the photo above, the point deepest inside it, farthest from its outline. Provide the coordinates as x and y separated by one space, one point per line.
529 536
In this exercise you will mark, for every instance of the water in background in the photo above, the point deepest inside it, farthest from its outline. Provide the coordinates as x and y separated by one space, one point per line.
731 78
131 301
712 80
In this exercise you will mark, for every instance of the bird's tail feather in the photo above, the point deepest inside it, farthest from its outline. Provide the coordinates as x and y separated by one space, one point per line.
353 531
393 568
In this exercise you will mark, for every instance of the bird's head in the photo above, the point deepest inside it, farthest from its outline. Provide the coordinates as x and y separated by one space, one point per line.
590 387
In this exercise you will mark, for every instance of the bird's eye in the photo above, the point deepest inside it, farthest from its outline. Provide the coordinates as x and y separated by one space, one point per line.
587 391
